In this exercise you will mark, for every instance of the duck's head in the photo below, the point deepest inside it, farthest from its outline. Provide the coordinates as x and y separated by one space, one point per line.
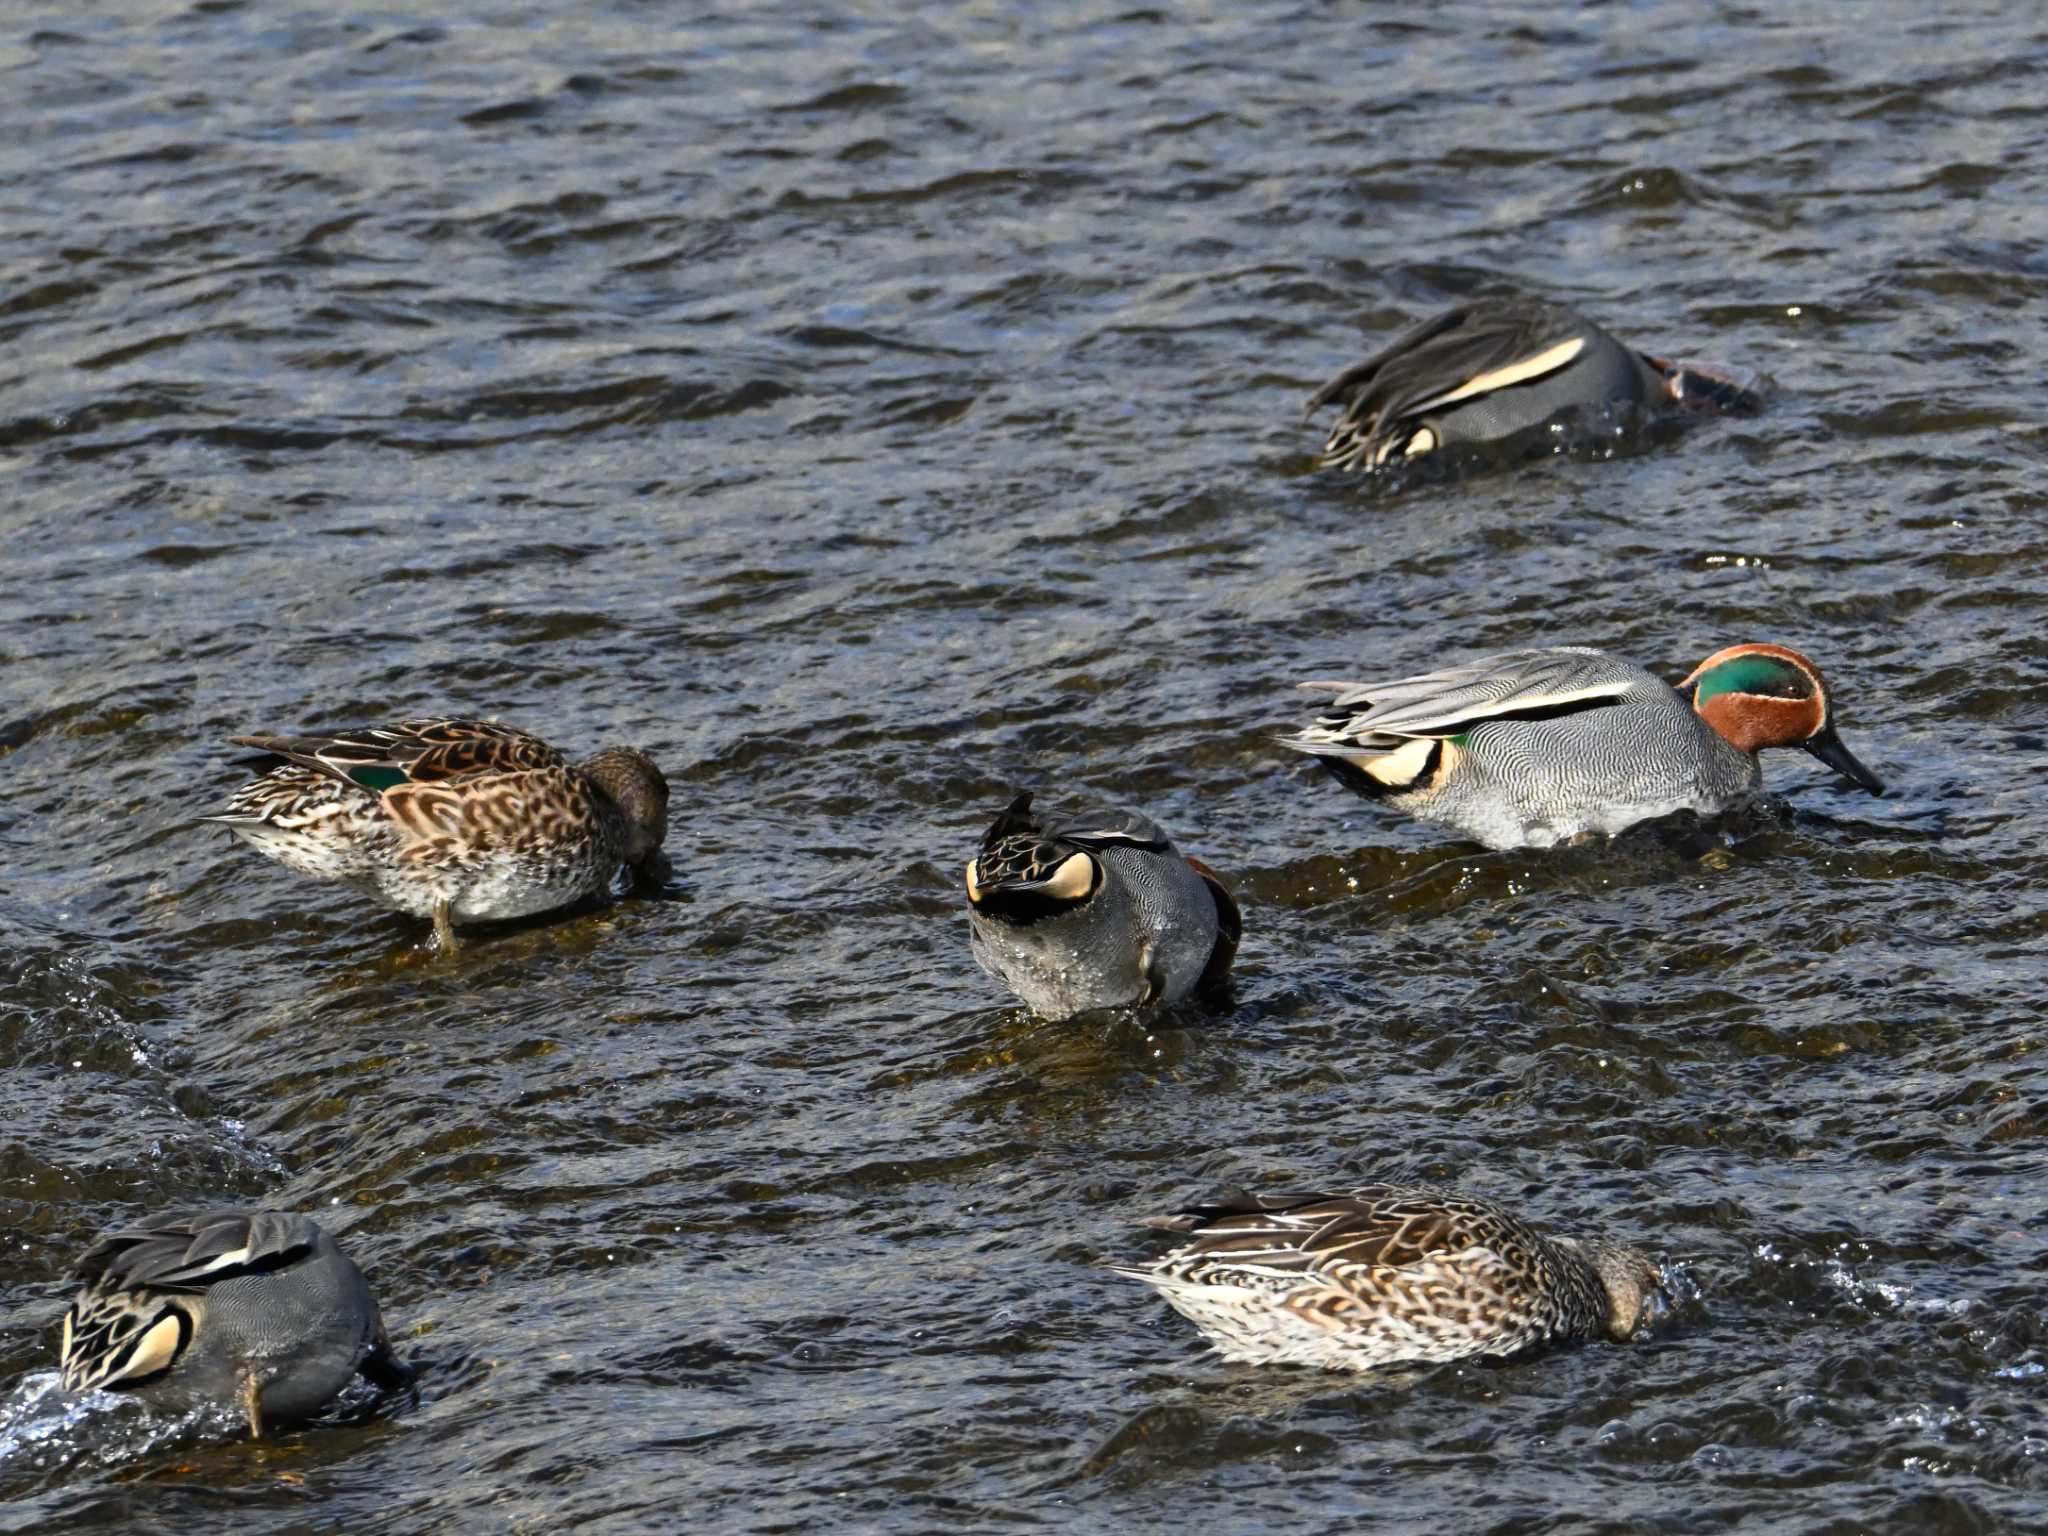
1634 1286
638 788
1759 696
1023 875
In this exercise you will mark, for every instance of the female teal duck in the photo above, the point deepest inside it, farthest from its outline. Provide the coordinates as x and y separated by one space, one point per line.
1486 373
254 1309
461 820
1386 1274
1530 748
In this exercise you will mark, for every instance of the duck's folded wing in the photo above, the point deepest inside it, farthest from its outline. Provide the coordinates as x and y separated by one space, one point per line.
1516 685
1458 355
1380 1226
416 751
189 1252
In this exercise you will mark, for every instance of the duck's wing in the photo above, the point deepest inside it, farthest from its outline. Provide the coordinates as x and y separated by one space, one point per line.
1515 685
1312 1235
426 751
1456 356
140 1304
191 1251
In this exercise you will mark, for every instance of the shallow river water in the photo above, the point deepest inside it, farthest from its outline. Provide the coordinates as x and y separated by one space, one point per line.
871 410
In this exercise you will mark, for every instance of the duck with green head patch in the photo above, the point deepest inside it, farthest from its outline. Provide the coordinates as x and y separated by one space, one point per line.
463 821
1530 748
1489 373
1095 914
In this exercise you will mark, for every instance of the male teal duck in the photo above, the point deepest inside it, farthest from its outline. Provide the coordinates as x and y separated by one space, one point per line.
1486 373
258 1310
464 821
1387 1274
1097 913
1530 748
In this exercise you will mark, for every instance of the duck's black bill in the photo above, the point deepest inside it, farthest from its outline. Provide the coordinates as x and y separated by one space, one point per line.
1827 746
1716 389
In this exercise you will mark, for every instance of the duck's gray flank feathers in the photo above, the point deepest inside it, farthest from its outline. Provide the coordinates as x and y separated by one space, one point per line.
1528 748
255 1310
1095 914
125 1329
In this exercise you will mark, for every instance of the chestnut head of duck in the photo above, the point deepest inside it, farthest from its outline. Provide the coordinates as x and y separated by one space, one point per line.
1757 696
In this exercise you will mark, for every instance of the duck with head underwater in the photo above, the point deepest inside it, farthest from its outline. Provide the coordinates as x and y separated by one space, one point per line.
255 1310
1489 373
463 821
1103 913
1391 1273
1530 748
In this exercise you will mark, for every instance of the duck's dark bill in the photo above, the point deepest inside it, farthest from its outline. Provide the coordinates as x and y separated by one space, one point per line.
1716 388
1827 746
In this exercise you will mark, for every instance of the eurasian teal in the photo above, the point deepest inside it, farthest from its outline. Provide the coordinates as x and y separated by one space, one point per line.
461 820
1530 748
1103 913
255 1309
1385 1274
1485 373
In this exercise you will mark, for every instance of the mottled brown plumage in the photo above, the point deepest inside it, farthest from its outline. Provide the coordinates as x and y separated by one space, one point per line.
460 820
1390 1273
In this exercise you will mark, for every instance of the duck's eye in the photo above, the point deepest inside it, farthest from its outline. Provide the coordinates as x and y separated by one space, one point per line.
1074 878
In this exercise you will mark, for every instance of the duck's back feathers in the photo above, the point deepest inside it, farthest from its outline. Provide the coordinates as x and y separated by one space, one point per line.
1513 685
189 1252
1478 374
1378 1275
434 751
1380 1226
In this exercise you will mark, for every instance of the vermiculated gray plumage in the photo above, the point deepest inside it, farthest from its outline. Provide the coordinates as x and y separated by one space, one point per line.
1150 928
1528 748
254 1309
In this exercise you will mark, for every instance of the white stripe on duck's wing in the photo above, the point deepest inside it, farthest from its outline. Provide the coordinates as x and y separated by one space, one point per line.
189 1252
1507 375
1512 684
1472 350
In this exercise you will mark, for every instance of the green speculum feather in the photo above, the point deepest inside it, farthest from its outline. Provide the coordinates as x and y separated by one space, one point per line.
378 778
1765 675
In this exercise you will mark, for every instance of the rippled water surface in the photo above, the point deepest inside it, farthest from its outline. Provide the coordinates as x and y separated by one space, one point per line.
871 411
